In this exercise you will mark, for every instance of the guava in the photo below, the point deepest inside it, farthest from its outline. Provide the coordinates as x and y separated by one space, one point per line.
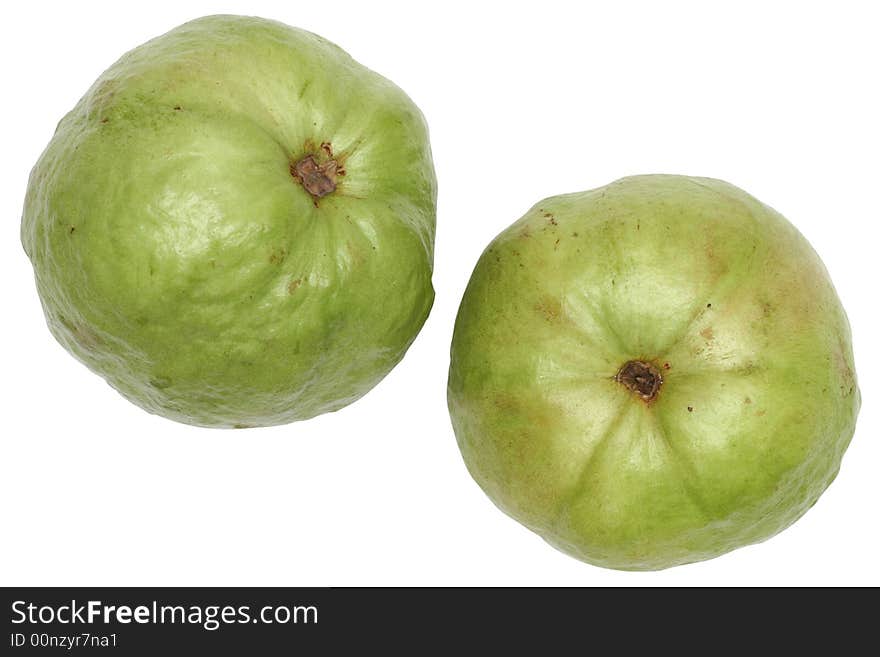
652 373
234 226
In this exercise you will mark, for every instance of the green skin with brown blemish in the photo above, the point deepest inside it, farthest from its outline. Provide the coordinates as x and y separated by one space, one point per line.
652 373
235 225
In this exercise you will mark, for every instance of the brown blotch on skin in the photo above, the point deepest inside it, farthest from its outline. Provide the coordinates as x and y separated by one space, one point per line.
506 403
82 335
747 400
549 308
104 93
105 120
357 255
641 378
761 412
690 409
293 286
708 334
841 362
177 108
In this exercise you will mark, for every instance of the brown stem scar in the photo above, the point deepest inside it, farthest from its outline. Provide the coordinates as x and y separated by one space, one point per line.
318 180
318 171
641 378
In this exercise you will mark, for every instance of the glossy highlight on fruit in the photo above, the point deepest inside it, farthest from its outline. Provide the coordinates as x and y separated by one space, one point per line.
652 373
235 225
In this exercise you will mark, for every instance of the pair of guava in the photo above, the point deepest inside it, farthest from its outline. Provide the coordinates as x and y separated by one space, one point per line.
235 225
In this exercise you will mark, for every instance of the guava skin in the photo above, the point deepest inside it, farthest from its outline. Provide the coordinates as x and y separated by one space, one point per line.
182 252
714 291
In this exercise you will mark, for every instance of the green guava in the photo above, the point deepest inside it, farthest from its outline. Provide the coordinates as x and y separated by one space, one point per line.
652 373
235 225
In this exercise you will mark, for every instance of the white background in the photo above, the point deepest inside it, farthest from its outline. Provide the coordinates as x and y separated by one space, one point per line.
524 101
